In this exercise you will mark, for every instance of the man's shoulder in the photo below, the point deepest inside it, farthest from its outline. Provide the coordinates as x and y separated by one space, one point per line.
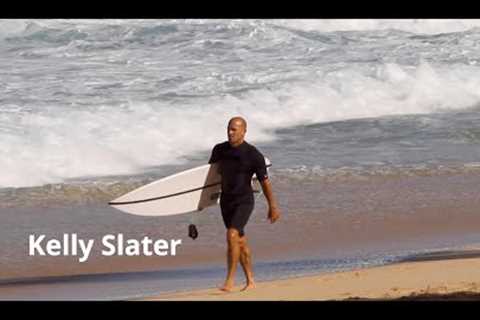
217 152
220 148
221 145
253 150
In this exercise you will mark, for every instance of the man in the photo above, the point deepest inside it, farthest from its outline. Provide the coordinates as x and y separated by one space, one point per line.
238 161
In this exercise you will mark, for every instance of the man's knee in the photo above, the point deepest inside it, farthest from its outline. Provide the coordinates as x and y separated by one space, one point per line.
232 236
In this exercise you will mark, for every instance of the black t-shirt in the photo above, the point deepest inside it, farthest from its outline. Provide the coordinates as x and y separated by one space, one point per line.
237 166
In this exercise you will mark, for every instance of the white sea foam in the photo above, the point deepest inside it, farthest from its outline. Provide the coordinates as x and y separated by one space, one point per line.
48 146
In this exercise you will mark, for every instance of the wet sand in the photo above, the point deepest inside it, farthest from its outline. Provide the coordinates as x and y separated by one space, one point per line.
449 275
329 222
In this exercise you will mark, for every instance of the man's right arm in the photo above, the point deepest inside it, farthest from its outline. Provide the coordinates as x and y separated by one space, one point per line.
214 155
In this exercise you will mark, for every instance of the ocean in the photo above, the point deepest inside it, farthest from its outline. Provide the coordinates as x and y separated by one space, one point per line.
372 127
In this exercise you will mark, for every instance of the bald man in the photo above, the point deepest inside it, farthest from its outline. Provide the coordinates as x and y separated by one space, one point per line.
239 160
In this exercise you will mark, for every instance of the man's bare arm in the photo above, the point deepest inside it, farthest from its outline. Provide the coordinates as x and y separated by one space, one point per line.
273 209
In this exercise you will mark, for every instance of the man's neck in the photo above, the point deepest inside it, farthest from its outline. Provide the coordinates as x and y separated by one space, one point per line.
237 144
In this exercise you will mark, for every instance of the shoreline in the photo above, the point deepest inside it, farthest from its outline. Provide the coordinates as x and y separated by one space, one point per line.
448 275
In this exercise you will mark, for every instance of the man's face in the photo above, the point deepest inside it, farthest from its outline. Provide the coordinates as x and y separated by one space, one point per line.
236 132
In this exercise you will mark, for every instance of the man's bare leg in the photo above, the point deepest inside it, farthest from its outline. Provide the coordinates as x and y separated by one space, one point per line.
233 255
246 262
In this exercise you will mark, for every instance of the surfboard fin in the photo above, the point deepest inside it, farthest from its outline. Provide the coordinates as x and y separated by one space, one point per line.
192 231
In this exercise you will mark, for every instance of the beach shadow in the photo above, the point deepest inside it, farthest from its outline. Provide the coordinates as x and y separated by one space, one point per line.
453 296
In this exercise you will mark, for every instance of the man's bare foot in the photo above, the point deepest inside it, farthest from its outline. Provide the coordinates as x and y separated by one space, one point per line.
227 287
250 285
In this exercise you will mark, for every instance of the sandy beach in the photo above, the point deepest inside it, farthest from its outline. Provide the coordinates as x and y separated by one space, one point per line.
442 276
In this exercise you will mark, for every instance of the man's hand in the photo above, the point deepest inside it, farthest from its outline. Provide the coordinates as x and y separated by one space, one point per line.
273 214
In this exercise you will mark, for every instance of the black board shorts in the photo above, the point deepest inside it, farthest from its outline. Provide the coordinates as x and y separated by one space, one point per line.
236 211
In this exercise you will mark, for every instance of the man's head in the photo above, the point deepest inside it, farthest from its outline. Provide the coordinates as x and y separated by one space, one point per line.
237 127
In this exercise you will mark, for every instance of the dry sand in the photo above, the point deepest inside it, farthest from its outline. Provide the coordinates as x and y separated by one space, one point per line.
449 275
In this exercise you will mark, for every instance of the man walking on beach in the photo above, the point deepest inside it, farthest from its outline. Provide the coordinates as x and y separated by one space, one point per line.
238 161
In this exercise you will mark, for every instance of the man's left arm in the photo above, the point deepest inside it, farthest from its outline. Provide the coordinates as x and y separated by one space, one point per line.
262 176
273 209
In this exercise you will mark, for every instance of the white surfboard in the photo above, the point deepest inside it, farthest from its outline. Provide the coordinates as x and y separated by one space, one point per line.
183 192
